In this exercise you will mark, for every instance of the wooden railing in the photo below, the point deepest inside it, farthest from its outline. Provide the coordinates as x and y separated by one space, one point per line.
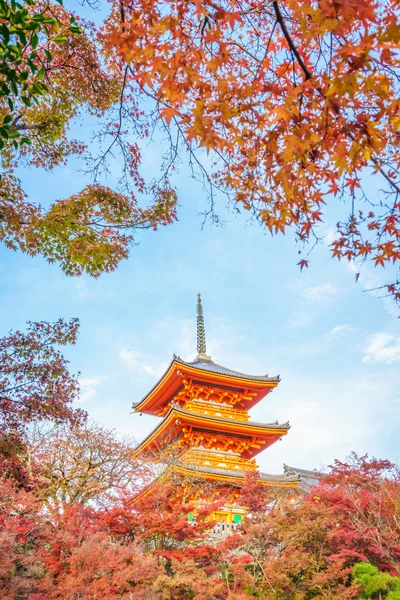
214 409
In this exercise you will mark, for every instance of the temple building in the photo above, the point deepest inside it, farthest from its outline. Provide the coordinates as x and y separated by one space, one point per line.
205 425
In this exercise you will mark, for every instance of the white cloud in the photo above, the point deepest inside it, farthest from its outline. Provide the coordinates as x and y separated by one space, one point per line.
137 361
382 348
330 236
83 290
300 319
329 417
88 387
320 294
339 330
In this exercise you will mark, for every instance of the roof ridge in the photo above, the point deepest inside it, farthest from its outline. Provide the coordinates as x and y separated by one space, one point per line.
263 476
225 370
210 368
275 425
312 473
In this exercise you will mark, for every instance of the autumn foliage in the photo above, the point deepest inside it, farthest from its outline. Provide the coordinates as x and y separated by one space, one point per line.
35 385
296 105
80 519
52 73
305 548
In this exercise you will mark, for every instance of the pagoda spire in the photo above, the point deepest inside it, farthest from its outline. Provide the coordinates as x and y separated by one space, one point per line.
201 332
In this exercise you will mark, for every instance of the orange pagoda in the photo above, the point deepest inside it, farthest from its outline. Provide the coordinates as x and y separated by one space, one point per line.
205 423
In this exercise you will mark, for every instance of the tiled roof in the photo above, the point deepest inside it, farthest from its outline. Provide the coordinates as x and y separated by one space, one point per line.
281 478
303 472
274 425
308 479
212 367
239 474
178 410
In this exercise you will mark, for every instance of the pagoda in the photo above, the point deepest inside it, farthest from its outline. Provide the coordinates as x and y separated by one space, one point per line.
205 423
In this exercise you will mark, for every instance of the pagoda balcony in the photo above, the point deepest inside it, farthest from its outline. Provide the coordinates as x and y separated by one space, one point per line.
217 459
216 409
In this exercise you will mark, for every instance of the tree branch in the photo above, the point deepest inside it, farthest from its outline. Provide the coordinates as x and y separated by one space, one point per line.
279 18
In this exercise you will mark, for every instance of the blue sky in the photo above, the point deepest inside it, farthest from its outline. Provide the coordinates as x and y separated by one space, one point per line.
336 347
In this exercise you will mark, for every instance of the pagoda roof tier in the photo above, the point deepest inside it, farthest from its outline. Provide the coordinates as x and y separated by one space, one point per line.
308 478
206 372
222 476
210 366
235 477
250 436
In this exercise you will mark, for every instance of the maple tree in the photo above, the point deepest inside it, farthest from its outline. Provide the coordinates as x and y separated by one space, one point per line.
133 549
291 555
35 383
297 102
84 464
308 547
144 548
368 492
51 74
23 531
253 495
67 555
21 80
83 559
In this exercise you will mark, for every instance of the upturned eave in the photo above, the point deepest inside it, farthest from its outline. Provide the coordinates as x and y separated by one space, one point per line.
203 371
176 419
235 477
